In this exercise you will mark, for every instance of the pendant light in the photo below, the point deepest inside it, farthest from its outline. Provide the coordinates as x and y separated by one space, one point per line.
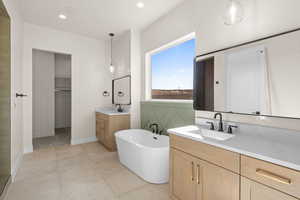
234 12
111 67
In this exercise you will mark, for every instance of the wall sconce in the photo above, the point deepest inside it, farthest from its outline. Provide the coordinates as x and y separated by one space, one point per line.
121 94
106 94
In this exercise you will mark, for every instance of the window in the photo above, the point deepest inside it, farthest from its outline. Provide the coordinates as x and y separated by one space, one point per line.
171 70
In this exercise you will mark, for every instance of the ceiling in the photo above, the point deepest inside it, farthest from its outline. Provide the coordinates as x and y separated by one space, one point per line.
95 18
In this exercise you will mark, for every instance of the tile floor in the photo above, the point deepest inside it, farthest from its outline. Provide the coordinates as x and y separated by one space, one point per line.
80 172
62 137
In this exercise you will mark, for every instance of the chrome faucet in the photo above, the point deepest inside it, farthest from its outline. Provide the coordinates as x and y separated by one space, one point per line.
221 129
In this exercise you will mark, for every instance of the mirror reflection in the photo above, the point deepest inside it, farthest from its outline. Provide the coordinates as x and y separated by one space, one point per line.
259 78
122 90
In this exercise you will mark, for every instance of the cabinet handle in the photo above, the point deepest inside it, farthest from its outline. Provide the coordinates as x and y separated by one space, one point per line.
193 166
273 176
198 174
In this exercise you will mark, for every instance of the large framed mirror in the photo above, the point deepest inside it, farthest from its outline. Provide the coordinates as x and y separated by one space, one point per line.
255 78
122 90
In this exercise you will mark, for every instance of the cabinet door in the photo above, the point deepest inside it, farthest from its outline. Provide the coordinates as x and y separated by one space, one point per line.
183 177
251 190
112 125
217 183
100 130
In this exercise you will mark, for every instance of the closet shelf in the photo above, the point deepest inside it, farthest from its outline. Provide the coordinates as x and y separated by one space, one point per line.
62 90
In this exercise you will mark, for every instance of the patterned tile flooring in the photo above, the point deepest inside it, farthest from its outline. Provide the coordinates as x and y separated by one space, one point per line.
80 172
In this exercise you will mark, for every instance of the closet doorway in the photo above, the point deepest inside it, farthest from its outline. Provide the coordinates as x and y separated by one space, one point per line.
51 99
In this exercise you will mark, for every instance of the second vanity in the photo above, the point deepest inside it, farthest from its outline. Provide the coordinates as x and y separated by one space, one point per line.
109 121
251 165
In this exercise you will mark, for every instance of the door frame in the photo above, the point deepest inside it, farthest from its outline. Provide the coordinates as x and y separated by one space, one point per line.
30 119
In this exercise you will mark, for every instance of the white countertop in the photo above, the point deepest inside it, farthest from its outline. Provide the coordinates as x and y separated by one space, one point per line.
280 148
111 111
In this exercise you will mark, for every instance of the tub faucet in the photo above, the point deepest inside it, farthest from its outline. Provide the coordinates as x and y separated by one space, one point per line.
155 129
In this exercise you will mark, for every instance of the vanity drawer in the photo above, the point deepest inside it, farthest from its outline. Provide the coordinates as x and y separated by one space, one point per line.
223 158
101 116
278 177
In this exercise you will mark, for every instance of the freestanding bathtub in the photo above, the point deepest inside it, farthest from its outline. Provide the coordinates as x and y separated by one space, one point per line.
145 154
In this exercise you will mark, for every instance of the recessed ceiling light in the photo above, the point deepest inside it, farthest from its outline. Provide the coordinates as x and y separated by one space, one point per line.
62 16
140 5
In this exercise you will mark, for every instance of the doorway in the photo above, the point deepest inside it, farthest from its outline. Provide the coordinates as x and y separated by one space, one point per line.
51 99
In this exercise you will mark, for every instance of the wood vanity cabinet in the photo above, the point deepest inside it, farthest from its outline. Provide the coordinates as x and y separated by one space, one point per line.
192 178
274 176
204 172
183 175
251 190
107 125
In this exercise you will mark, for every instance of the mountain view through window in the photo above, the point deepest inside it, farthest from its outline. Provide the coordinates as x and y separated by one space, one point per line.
172 72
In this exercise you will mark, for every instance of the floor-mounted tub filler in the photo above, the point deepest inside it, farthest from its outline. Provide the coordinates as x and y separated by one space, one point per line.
145 154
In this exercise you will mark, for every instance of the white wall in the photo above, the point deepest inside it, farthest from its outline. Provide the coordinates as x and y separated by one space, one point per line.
127 60
63 66
14 11
43 69
121 54
205 18
135 52
283 62
90 77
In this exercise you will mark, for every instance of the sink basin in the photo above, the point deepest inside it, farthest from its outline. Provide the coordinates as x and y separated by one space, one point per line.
111 111
202 133
215 135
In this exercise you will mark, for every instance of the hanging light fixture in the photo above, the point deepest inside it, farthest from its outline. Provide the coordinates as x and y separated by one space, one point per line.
234 12
111 67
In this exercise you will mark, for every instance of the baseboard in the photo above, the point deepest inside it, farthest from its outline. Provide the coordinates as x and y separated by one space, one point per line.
16 167
83 140
28 149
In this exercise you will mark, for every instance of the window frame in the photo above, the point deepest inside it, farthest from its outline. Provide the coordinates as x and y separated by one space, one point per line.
148 69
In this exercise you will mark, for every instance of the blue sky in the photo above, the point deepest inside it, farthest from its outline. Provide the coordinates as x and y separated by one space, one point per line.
173 67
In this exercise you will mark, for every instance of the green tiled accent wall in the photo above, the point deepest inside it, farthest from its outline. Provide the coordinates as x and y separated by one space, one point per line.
167 114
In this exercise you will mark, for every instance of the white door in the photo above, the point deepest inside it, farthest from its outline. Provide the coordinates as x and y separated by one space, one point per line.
245 81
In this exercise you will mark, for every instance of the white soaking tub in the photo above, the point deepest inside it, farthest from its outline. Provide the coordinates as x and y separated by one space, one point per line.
145 154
